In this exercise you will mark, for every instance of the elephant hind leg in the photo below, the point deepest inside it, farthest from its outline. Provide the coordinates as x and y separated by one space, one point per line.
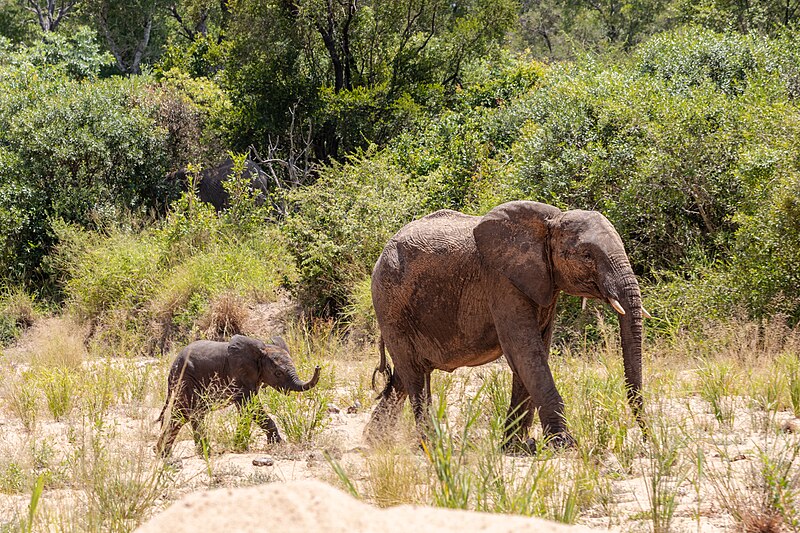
384 418
419 393
172 426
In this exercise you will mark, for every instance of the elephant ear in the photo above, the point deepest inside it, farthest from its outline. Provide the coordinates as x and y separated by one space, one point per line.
513 238
241 345
280 343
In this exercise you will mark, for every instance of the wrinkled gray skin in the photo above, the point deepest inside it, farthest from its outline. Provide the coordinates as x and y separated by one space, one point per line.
210 185
453 290
209 373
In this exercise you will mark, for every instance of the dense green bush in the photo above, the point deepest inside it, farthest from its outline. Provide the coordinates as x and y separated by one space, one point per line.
689 56
764 272
340 224
82 149
144 288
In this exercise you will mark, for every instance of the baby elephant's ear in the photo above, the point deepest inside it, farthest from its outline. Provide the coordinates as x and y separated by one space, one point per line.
239 344
280 343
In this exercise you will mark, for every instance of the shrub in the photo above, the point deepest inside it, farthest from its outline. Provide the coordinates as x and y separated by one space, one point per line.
18 311
340 224
83 149
170 282
688 56
765 267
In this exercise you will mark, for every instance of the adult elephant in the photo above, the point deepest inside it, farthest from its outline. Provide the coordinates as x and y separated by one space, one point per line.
211 182
453 290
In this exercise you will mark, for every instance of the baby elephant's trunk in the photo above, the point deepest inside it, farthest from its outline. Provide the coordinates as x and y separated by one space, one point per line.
295 385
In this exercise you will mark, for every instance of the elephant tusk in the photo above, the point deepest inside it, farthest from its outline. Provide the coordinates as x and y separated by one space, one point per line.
617 307
583 304
645 313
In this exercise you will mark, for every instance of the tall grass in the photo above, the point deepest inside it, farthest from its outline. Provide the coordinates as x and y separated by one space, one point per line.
142 289
762 494
718 386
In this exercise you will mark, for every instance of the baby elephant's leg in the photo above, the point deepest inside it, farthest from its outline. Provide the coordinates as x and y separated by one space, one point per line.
250 409
266 423
169 432
197 420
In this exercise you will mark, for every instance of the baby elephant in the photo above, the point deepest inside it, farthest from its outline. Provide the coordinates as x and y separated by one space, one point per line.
209 374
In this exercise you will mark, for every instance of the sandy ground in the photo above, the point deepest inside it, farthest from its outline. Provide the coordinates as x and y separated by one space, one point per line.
304 506
296 491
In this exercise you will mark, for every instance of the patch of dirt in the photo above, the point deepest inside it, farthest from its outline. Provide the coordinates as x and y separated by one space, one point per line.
266 320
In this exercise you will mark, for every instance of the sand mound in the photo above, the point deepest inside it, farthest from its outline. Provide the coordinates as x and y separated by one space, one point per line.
315 506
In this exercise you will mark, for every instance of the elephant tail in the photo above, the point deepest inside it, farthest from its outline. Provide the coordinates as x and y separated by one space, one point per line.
160 418
385 369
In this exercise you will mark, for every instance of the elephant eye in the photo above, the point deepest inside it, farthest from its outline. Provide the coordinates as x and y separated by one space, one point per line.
279 373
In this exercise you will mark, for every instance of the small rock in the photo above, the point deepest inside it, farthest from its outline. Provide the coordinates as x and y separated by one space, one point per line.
791 426
173 463
314 457
263 461
740 457
353 409
333 409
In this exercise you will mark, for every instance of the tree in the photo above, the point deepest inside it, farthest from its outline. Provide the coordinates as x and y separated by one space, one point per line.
50 14
128 29
198 18
327 57
621 21
745 16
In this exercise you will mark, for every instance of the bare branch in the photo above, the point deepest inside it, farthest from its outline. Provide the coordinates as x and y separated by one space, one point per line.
47 16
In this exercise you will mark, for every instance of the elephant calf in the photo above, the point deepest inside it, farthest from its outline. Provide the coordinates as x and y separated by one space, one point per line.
207 374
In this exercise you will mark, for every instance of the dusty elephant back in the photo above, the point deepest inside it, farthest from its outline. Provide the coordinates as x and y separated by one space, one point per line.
203 357
427 289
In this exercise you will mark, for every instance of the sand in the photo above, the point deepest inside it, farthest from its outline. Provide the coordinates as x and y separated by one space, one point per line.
313 506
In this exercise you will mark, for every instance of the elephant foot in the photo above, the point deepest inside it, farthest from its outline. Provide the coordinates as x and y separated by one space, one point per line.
529 447
559 441
520 448
274 439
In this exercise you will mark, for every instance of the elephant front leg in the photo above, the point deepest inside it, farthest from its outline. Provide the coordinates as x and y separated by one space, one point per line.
267 424
201 442
525 350
251 410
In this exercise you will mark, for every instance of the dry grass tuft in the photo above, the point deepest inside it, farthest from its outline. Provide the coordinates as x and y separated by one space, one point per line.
224 318
753 522
58 344
20 306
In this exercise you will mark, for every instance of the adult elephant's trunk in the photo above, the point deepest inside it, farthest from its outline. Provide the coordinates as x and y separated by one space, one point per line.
631 335
295 385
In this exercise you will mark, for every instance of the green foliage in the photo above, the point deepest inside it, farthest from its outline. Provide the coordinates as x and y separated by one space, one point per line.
77 54
363 59
14 24
765 267
690 55
88 150
340 224
158 282
81 151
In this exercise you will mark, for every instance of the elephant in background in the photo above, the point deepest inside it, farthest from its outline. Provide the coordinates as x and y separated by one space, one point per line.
207 374
210 187
453 290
